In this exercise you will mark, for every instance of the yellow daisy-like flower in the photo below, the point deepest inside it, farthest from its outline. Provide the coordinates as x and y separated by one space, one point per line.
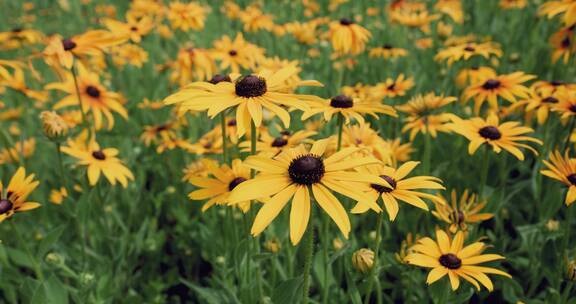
539 104
186 16
474 75
451 258
509 87
98 161
512 4
394 87
553 8
95 98
133 28
255 20
237 53
399 188
562 169
53 124
421 117
460 212
23 149
13 198
406 247
399 152
217 189
505 136
156 133
348 107
297 172
57 196
367 140
19 37
564 44
198 168
248 94
348 37
468 50
192 64
129 54
387 51
415 19
304 32
271 146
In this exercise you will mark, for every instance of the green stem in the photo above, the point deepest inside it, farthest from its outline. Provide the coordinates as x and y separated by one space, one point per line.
61 165
374 278
567 231
224 139
484 171
570 130
427 152
35 264
308 254
340 130
325 238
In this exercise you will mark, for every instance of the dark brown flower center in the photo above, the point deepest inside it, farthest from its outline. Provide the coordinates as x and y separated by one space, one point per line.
251 86
458 216
92 91
550 99
346 21
306 169
572 179
341 101
162 128
134 29
391 87
232 53
566 42
279 142
17 30
491 84
235 182
387 46
556 83
5 206
68 44
382 189
572 108
232 123
99 155
490 132
450 261
220 78
469 48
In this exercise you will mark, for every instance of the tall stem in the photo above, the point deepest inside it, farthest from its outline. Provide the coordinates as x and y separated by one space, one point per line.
340 130
570 130
427 151
23 243
374 278
484 170
308 253
61 164
224 138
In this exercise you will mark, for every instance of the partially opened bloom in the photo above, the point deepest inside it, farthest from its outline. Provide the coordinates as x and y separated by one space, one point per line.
563 169
460 212
507 136
450 258
217 187
248 94
423 115
13 198
94 98
55 127
99 161
348 37
508 87
408 190
348 107
294 174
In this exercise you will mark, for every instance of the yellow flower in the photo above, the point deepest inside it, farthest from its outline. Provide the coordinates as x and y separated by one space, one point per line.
248 94
304 32
459 213
192 64
563 44
348 37
54 126
14 197
98 161
505 136
156 133
198 168
57 196
399 152
363 260
22 149
468 50
186 16
19 37
416 19
512 4
422 117
451 258
237 54
293 173
388 51
562 169
95 98
509 87
272 145
399 188
133 28
349 108
553 8
468 76
539 104
406 247
129 54
452 8
217 189
394 87
254 20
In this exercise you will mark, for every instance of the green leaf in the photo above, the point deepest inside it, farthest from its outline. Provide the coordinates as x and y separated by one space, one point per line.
288 292
51 238
55 291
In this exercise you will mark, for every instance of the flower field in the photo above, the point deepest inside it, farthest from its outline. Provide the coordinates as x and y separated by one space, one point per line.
310 151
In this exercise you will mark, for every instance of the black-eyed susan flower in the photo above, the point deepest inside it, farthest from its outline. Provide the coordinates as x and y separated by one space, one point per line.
400 188
99 161
562 169
57 196
13 198
135 28
450 258
509 87
304 32
565 7
294 174
19 37
420 19
550 87
460 212
198 168
237 53
538 104
566 105
54 126
192 64
217 188
399 152
406 247
367 140
270 145
452 8
507 136
387 51
129 54
394 87
468 50
249 94
255 20
156 133
209 143
186 16
563 44
21 150
94 98
348 107
423 116
474 74
347 37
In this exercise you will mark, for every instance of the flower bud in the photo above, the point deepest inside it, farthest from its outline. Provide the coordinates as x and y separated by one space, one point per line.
571 271
363 260
55 128
272 245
